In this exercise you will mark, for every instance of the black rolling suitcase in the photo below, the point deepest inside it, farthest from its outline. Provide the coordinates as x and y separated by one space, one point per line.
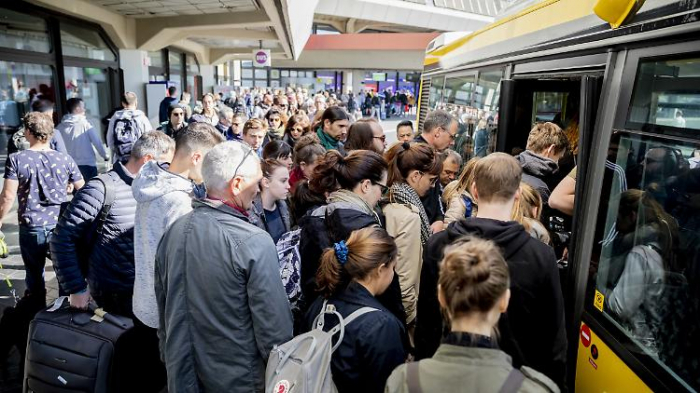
71 350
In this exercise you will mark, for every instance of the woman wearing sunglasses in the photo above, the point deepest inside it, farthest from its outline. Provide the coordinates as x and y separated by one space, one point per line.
414 168
366 135
353 186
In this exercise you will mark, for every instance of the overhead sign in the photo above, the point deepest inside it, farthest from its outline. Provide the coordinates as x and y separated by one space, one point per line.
379 76
262 58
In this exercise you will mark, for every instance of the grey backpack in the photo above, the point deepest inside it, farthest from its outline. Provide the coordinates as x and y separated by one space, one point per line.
303 364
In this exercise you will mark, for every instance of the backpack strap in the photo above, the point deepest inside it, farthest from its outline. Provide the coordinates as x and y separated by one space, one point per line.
413 377
513 382
110 195
326 308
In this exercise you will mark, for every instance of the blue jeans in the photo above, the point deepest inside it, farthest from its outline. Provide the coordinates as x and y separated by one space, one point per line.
88 171
34 245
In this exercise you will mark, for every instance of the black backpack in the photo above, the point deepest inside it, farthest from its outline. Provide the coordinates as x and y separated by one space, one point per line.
126 133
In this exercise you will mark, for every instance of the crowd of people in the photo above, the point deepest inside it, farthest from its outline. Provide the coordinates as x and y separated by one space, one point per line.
225 233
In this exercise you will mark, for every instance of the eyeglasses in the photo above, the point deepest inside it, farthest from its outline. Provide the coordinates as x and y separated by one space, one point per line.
381 138
382 186
235 173
432 181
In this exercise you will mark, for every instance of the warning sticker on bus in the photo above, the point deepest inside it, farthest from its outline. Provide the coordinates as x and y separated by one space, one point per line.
598 300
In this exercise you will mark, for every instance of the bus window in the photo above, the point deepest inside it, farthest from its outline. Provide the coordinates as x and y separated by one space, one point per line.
486 100
437 83
458 92
549 106
666 93
647 277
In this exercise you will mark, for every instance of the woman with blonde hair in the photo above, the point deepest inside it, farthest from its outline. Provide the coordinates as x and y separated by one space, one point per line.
457 196
473 291
528 211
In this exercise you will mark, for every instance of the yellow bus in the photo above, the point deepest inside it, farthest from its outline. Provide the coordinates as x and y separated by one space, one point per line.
627 91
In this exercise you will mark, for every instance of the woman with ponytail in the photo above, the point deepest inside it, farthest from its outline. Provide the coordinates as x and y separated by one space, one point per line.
353 186
473 292
414 168
350 277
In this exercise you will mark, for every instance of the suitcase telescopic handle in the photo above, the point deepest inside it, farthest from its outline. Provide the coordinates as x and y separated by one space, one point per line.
106 316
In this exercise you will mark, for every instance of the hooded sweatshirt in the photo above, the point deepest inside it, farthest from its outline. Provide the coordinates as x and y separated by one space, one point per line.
538 172
144 125
532 329
161 197
80 136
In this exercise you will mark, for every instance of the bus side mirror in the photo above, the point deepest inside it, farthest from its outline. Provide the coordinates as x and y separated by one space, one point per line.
616 12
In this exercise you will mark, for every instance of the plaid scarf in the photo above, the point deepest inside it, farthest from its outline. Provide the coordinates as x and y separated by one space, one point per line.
405 194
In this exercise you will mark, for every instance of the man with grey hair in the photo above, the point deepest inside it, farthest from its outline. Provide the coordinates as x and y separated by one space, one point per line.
221 303
109 251
97 232
225 120
439 131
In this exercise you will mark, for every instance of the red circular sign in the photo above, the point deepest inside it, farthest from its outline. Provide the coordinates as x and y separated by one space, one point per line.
585 336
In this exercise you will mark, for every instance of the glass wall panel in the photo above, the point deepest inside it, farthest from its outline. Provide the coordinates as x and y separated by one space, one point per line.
92 85
175 67
77 41
23 32
20 85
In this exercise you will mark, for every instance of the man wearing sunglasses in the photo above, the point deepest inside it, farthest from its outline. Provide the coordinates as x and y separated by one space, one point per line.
439 131
218 285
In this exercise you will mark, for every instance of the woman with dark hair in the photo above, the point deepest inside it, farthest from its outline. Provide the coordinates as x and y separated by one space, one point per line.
350 276
280 151
366 135
307 152
473 292
414 168
297 126
333 127
353 186
274 121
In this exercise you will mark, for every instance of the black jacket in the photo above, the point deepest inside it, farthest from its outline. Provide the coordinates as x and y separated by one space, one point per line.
323 227
532 330
111 266
373 344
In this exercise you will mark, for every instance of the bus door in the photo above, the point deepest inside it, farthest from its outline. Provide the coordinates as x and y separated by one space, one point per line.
640 317
569 98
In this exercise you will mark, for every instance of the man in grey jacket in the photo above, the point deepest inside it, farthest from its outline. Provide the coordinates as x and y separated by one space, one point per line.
221 303
546 145
80 136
